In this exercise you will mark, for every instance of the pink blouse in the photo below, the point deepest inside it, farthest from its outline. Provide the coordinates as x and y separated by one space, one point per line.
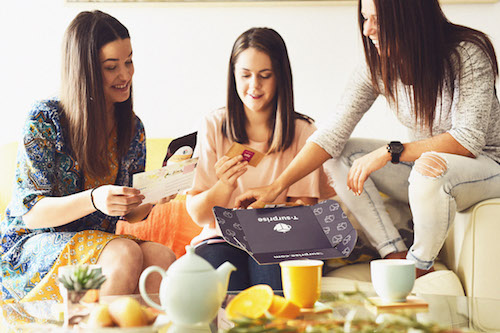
212 145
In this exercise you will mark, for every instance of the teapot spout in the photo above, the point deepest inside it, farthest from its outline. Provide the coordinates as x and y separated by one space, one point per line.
223 273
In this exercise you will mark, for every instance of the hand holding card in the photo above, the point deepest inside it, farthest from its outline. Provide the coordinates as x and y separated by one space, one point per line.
161 183
251 155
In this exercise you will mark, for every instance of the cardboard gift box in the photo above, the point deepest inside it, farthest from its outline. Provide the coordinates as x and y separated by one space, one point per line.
271 235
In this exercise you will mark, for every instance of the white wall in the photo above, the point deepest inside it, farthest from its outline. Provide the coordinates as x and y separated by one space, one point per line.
181 53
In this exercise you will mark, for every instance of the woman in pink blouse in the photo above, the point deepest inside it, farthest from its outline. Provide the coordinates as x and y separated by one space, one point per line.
259 114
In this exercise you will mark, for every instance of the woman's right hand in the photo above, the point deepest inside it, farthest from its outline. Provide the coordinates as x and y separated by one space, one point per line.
257 197
228 170
116 200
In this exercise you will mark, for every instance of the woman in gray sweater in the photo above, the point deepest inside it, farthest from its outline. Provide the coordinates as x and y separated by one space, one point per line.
439 80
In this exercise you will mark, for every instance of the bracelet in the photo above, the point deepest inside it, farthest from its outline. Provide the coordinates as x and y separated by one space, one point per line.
92 200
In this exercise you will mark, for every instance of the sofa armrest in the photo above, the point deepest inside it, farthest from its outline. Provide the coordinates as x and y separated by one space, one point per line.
472 246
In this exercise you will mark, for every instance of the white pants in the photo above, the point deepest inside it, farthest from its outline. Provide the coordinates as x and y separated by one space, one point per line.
433 200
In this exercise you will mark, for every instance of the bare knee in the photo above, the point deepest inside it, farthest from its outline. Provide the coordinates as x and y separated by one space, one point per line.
156 254
122 262
431 165
122 251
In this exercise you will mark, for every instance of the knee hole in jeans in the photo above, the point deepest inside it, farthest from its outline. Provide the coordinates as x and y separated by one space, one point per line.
431 165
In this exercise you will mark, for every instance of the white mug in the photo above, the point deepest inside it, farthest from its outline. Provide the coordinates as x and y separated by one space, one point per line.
393 279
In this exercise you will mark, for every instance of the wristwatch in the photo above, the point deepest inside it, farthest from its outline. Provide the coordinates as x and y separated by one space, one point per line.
395 148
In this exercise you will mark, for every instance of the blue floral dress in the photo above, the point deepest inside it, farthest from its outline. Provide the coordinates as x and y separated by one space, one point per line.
30 257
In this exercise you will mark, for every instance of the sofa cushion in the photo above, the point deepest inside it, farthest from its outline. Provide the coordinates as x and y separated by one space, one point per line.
442 282
168 224
156 150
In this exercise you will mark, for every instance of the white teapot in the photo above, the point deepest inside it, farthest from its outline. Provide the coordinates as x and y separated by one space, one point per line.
191 290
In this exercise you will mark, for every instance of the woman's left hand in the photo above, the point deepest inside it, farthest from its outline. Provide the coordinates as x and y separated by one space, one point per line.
362 168
166 199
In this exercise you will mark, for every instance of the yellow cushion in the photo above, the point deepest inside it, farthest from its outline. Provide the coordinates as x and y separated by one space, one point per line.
156 150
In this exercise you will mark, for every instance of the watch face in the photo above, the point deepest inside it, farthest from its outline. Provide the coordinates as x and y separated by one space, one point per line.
396 147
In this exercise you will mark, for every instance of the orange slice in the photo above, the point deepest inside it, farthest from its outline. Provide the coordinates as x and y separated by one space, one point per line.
278 302
283 308
252 302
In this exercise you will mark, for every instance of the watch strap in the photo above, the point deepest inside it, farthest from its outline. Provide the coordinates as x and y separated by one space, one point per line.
395 158
395 148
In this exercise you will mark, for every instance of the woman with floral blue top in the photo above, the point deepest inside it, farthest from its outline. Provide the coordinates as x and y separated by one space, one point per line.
74 173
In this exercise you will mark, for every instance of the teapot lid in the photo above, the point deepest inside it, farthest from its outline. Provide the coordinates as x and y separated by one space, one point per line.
190 263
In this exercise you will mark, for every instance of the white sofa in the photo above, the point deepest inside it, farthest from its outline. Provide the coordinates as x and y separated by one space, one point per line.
472 249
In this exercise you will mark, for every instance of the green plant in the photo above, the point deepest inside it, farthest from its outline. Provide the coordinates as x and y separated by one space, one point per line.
82 277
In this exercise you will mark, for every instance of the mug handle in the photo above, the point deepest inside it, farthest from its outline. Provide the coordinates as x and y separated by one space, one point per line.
142 286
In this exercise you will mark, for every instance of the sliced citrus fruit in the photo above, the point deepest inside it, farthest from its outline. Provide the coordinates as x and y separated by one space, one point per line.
252 302
283 308
278 302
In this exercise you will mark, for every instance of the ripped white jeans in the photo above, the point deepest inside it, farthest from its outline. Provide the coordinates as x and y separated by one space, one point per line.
436 186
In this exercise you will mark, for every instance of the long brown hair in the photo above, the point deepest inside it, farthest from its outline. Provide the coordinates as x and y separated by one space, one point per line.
418 45
82 92
282 123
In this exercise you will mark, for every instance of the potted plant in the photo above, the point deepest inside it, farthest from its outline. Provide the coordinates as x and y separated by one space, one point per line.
79 283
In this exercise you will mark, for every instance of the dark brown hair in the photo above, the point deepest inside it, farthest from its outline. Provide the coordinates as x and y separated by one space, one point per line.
282 123
82 92
418 45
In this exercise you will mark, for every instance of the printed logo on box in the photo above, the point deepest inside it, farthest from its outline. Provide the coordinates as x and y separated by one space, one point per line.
282 227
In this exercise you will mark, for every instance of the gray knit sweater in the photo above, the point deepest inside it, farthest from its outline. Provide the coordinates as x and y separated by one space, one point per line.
471 113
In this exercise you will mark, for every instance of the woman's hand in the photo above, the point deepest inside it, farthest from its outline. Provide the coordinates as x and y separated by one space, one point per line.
116 200
257 197
228 170
362 168
141 213
199 203
166 199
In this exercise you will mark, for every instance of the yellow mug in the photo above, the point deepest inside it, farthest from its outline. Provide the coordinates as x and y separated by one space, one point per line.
301 281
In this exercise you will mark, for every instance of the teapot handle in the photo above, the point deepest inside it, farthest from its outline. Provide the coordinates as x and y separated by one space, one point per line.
142 287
